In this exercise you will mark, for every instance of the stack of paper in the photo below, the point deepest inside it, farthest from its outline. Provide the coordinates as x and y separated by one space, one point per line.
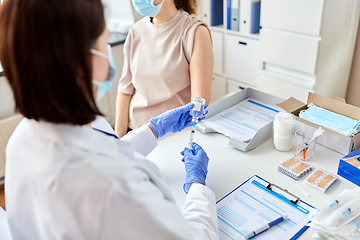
251 205
243 120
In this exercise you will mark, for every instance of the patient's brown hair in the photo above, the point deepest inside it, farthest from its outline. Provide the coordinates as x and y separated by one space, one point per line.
44 50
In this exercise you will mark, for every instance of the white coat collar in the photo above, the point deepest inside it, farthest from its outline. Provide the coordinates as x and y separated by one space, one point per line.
81 137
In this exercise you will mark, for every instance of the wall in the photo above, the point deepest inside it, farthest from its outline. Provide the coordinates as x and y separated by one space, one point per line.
353 96
7 104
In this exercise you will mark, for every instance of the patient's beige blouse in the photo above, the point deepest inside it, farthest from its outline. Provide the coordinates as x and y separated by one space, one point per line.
156 66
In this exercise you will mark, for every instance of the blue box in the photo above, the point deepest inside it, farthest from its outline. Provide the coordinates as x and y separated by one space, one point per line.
349 167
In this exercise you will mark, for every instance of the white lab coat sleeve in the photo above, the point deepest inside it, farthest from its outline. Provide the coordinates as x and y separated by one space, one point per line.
137 208
142 139
200 212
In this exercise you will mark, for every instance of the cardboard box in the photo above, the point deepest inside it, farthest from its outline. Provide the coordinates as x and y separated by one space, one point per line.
330 139
261 135
349 167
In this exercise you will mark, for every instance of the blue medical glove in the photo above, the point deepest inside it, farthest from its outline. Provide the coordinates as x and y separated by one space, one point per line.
174 120
196 164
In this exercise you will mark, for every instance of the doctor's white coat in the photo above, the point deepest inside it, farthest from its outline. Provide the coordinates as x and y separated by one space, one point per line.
73 182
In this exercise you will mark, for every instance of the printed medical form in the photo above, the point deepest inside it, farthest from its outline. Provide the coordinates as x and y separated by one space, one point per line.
252 205
243 120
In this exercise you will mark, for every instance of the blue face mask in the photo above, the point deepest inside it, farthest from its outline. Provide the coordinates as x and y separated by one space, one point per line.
103 87
146 7
333 121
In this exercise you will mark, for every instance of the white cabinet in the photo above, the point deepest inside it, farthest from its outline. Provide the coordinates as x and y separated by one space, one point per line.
311 51
236 55
217 40
300 16
293 51
235 86
242 59
303 46
218 87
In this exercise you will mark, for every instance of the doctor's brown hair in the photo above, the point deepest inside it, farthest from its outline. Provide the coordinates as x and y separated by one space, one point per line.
189 6
44 51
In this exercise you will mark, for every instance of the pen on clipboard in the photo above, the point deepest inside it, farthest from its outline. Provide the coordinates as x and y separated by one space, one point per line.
265 227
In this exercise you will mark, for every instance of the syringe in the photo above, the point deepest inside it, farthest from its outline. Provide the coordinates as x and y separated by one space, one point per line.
196 112
341 217
191 136
340 201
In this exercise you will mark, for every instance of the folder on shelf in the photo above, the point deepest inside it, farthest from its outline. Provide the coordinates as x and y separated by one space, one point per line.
228 17
255 202
206 11
245 15
255 17
235 15
216 12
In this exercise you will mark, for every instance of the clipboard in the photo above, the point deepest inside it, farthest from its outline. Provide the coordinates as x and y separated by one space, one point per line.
257 202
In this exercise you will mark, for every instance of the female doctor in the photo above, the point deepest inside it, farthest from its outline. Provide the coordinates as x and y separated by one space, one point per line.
65 180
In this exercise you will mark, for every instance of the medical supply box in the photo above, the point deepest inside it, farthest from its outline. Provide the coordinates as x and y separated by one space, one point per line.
261 135
330 139
349 167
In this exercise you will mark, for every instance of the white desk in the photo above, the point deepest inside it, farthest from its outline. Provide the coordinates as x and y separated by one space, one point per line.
229 167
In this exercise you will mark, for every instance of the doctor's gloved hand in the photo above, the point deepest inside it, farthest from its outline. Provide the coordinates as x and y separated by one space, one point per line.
196 164
174 120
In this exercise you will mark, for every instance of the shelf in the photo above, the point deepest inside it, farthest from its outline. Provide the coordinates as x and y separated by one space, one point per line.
247 84
254 36
219 28
226 77
219 74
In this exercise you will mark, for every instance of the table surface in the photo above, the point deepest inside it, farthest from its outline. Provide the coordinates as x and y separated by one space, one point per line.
229 167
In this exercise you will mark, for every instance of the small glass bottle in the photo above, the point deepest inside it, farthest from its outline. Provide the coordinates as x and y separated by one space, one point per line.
198 109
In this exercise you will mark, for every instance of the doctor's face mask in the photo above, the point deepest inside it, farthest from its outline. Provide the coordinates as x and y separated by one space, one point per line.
146 7
103 87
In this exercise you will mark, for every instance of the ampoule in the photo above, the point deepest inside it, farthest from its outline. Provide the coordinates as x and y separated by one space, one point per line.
196 112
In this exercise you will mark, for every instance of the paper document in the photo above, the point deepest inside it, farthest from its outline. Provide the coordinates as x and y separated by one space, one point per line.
252 205
243 120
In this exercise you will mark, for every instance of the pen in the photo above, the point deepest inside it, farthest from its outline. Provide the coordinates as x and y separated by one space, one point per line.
265 227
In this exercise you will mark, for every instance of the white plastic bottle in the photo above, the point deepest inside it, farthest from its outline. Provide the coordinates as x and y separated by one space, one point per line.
283 127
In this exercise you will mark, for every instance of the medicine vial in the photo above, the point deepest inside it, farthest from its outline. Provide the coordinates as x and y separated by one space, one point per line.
283 126
198 109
